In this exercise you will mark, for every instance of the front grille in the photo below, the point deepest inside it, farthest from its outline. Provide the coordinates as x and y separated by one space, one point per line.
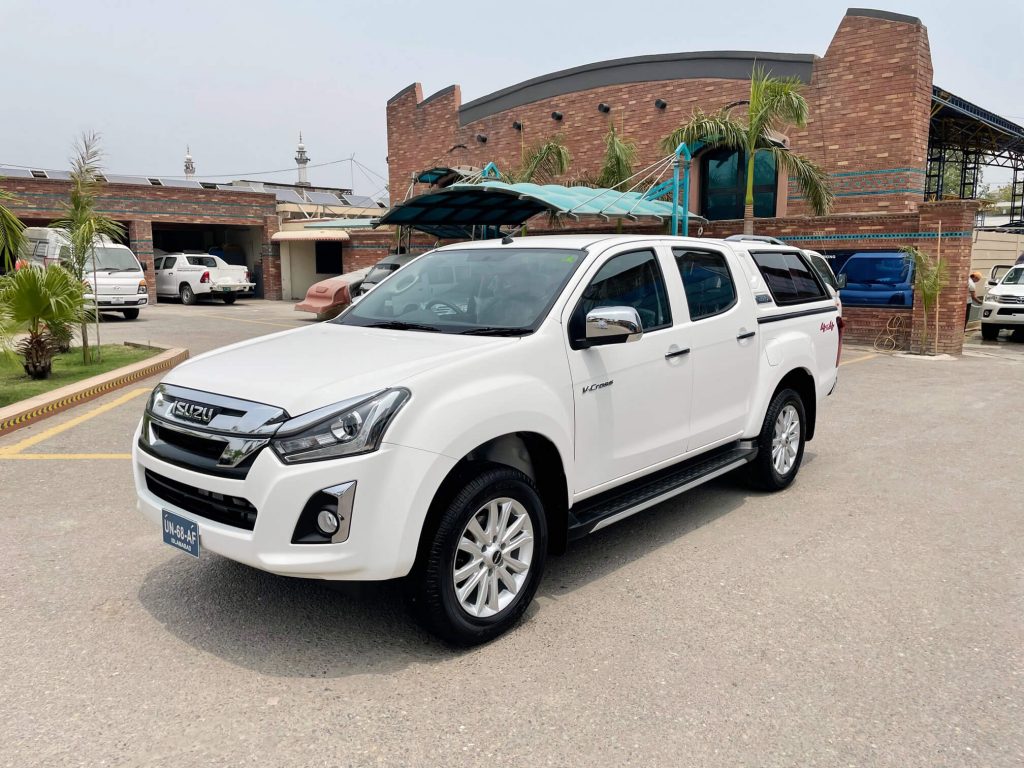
1011 299
221 508
209 448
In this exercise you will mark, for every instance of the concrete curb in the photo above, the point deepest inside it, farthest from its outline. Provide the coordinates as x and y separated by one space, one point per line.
25 412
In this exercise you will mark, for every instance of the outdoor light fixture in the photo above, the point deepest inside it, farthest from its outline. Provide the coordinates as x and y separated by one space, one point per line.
602 107
660 103
517 125
481 138
556 115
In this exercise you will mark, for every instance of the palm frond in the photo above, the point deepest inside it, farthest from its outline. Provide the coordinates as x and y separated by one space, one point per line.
619 158
717 129
12 233
542 163
814 182
783 104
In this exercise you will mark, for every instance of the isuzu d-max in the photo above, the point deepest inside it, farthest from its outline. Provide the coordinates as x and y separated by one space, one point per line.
487 404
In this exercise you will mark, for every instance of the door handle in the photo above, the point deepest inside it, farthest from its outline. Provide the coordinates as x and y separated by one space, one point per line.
677 353
747 335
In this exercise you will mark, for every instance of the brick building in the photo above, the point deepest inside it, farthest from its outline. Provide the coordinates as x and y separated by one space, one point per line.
874 120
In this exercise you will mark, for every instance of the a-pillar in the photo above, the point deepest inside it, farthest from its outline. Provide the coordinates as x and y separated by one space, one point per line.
954 219
140 240
270 255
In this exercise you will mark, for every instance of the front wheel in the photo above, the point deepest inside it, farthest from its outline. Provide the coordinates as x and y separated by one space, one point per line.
229 298
131 314
989 331
188 296
482 565
781 442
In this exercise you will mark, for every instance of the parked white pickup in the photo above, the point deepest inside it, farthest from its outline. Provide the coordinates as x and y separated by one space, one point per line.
190 276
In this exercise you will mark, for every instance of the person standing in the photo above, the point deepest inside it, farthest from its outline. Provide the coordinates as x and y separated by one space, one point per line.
972 294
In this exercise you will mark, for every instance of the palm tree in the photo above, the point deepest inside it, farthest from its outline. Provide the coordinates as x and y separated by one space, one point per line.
83 225
929 280
619 158
774 104
12 234
542 163
45 304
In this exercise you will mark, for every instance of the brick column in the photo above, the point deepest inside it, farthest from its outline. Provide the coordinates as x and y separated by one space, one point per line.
140 240
956 218
270 255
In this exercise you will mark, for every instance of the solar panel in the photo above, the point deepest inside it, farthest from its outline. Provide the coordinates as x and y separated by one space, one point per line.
360 201
15 173
126 179
186 183
288 196
58 175
323 198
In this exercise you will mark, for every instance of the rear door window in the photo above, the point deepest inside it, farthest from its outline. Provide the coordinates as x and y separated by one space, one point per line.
709 286
789 278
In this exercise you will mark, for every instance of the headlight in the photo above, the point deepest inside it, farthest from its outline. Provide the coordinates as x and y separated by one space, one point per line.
354 426
992 298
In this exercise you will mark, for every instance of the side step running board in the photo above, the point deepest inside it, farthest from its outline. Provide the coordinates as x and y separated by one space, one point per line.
614 505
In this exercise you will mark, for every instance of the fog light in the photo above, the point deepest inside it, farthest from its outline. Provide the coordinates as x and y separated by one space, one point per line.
327 522
987 312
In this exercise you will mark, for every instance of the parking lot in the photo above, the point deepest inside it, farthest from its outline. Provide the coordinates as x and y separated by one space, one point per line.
869 615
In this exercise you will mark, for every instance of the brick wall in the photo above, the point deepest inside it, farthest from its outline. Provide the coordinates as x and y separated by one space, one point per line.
140 240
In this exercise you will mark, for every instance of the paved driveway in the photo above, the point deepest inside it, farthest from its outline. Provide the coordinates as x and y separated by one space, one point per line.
870 615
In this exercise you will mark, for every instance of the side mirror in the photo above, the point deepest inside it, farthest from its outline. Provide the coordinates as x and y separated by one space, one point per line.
993 282
840 281
613 325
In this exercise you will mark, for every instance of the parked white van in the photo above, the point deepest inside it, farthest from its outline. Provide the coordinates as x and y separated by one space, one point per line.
117 277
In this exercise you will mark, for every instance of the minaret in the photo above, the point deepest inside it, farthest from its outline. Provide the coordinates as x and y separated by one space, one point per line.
190 167
302 160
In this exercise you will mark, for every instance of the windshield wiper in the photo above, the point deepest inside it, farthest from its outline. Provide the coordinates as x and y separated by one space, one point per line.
398 325
494 331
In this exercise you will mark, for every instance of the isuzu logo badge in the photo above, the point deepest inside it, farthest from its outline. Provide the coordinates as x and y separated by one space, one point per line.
194 412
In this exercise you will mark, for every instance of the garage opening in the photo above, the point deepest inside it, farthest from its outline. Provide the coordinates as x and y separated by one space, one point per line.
236 245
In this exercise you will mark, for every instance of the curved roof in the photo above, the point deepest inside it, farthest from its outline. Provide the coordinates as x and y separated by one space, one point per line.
456 210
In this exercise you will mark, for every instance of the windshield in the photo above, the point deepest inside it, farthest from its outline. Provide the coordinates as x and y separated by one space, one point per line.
120 259
501 291
1014 277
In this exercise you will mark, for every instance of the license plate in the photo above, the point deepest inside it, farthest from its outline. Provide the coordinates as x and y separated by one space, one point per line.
181 533
117 299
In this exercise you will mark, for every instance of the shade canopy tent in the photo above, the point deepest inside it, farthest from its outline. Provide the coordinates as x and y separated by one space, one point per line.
489 207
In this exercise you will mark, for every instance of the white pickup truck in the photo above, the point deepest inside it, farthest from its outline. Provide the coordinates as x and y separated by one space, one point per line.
486 405
191 275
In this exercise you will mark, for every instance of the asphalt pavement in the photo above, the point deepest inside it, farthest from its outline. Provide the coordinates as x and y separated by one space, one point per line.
871 615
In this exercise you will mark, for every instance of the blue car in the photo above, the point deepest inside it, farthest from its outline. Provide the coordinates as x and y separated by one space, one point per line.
878 279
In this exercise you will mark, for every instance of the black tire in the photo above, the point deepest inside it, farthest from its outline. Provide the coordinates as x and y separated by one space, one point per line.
761 471
989 331
187 295
431 584
131 314
229 298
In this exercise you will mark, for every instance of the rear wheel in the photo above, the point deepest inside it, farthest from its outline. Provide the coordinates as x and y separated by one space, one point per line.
482 565
188 296
130 314
229 298
989 331
781 443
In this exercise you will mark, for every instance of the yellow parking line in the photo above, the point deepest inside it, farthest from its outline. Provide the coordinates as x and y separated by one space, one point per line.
62 456
243 320
859 359
46 434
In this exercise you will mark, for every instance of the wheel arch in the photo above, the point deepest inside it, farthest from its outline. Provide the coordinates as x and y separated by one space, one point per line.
802 382
533 454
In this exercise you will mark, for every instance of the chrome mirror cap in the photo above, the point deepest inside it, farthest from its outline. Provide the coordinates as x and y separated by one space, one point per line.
613 325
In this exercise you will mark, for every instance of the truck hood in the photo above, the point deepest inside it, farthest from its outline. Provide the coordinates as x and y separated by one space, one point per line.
310 368
1006 290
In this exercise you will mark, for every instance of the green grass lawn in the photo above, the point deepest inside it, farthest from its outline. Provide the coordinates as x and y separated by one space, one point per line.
15 385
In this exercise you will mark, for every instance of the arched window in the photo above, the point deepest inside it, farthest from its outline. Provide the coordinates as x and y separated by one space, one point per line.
723 188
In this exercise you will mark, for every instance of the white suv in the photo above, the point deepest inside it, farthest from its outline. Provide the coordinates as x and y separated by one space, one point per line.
487 404
1003 306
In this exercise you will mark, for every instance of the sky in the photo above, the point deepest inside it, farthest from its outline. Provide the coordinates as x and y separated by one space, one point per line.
237 81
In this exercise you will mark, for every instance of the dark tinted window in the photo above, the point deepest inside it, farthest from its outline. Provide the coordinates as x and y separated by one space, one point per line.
788 277
158 262
169 262
724 184
823 269
627 280
709 286
201 261
328 257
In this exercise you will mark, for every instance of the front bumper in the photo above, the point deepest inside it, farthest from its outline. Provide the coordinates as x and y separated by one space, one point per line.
394 488
1002 314
120 301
